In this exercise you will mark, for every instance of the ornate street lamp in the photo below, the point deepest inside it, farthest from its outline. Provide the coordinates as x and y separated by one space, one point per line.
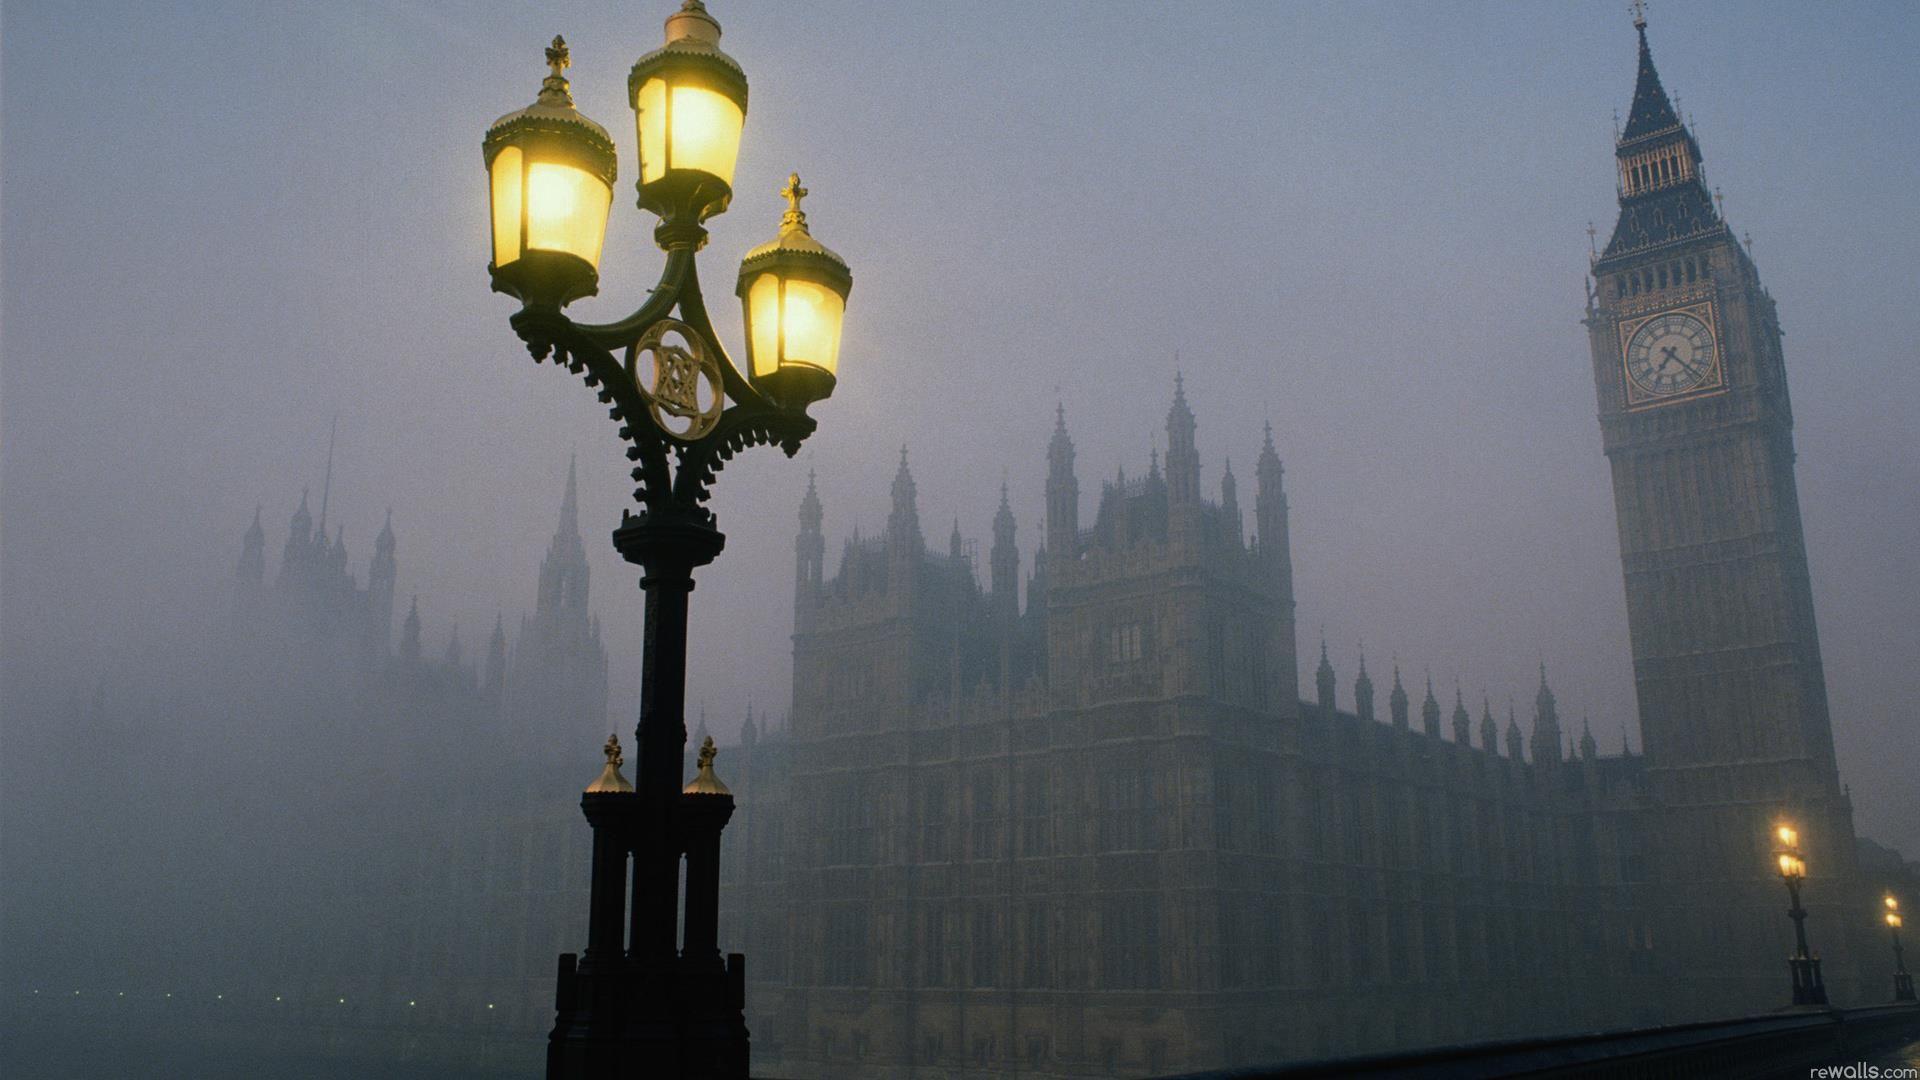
1808 987
1902 981
684 410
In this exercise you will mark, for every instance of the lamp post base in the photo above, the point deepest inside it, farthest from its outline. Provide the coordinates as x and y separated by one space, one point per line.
1902 986
1808 987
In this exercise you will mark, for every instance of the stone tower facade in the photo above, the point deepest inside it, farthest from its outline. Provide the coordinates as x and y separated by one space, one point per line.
1697 426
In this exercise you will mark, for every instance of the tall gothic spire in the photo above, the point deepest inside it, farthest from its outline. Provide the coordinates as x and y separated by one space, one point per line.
1063 493
1183 457
570 503
903 524
253 552
564 576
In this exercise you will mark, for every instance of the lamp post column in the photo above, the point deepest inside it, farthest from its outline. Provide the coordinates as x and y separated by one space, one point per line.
1902 980
1808 987
668 551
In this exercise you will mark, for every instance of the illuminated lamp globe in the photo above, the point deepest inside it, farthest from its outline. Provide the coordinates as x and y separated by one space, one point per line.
550 174
689 104
795 292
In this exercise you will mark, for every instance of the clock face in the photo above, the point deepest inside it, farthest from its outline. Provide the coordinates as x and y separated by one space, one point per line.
1670 354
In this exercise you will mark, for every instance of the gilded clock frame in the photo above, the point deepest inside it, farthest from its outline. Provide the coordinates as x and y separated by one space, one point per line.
1702 308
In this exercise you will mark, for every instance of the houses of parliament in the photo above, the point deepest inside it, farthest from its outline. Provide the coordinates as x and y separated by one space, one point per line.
1079 818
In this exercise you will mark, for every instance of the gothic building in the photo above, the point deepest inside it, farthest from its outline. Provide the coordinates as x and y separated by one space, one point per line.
1102 833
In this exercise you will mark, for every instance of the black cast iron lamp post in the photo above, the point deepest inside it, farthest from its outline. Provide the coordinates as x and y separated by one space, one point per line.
1902 980
684 410
1808 987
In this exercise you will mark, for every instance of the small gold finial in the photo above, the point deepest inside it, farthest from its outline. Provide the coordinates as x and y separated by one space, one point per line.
794 217
610 779
704 781
1639 9
554 89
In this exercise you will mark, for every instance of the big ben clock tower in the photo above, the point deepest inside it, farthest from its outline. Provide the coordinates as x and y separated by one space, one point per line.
1695 420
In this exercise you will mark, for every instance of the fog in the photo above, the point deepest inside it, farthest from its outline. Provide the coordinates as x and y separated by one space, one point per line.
228 227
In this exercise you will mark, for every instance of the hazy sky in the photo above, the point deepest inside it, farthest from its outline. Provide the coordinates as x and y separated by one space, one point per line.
225 224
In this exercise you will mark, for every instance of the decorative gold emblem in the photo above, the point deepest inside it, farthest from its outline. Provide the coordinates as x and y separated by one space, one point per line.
679 378
1670 355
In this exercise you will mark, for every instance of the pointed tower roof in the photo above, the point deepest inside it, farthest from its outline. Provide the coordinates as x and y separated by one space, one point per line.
810 511
570 502
904 522
1003 517
302 519
1060 447
1651 110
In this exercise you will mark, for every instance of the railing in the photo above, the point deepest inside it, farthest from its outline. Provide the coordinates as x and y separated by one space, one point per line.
1788 1043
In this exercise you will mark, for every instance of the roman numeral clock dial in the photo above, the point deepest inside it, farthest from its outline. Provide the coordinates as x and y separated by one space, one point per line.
1670 355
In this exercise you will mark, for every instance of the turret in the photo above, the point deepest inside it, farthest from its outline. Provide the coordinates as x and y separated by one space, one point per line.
1323 681
903 523
494 675
382 573
809 553
253 554
956 547
1270 518
1430 712
1588 748
1516 745
1489 731
1546 722
294 557
454 658
1183 457
1363 691
1063 496
1397 701
1230 506
410 634
1462 723
1004 563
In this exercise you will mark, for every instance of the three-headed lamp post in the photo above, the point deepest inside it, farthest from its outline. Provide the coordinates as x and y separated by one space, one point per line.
649 998
1902 980
1808 987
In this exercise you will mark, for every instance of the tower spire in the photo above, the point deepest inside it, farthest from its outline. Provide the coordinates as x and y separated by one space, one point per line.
570 503
1651 110
326 485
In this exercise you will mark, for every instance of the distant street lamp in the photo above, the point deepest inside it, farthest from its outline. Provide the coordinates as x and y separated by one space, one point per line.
685 410
1808 988
1902 981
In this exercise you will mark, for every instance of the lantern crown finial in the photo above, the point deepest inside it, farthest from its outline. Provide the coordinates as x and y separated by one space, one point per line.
554 89
794 218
